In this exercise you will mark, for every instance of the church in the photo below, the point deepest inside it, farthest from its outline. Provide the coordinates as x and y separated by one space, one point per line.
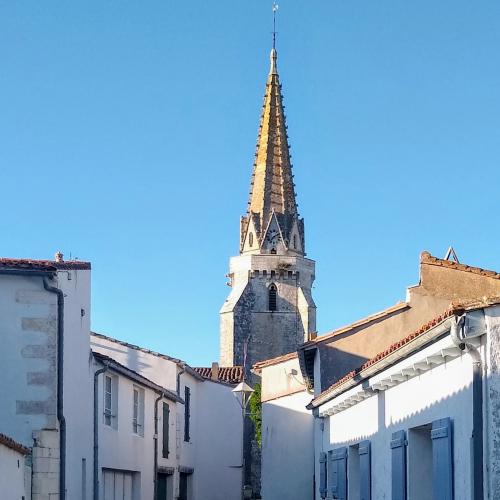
270 310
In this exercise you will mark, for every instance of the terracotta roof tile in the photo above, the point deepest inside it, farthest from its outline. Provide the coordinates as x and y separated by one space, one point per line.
43 265
13 445
227 374
427 258
274 361
392 348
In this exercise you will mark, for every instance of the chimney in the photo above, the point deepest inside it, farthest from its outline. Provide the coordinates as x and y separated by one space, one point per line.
59 256
215 371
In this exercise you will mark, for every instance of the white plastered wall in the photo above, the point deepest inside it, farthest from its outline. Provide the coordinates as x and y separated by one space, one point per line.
443 391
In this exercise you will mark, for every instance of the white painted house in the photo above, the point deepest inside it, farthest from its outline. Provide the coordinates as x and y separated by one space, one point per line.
204 459
102 419
46 365
419 420
287 430
15 469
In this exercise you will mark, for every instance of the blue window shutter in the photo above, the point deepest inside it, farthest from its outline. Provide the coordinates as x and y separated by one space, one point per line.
322 474
442 459
365 469
338 476
398 452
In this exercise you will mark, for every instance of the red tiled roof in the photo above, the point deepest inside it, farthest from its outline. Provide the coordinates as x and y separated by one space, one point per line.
274 361
43 265
427 258
394 347
227 374
13 445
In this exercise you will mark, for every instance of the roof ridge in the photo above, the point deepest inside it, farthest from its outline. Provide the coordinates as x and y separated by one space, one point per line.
273 361
45 264
13 445
427 258
399 306
450 311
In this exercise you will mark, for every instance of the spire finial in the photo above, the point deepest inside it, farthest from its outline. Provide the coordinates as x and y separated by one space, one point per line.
275 9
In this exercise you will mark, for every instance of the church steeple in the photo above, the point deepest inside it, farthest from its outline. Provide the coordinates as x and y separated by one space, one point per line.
272 190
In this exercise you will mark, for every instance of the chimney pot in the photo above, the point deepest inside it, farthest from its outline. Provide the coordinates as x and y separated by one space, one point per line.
59 256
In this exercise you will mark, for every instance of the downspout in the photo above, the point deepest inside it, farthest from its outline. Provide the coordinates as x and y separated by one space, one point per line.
96 431
46 275
458 338
60 386
155 437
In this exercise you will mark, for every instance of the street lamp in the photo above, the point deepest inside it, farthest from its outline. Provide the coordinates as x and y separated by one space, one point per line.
242 392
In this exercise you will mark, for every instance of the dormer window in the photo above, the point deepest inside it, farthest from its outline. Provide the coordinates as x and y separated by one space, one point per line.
273 295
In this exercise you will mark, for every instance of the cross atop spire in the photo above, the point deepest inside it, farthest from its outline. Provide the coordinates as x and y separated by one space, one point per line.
275 9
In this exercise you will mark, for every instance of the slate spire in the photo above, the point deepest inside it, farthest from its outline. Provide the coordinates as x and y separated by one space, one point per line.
272 186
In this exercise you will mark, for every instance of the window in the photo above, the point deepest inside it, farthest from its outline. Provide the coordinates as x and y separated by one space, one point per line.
138 411
165 427
294 241
250 239
273 292
420 463
108 399
353 472
187 413
430 456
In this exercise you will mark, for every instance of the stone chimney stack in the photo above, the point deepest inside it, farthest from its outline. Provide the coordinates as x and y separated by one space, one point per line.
59 256
215 371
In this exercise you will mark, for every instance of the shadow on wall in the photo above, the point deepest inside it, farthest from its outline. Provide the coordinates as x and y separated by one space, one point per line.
335 363
287 452
125 355
417 426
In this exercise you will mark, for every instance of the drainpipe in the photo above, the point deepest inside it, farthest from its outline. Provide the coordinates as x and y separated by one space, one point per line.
46 275
157 400
458 337
60 386
96 430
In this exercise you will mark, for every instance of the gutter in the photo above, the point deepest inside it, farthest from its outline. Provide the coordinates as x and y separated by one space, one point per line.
46 275
96 431
459 336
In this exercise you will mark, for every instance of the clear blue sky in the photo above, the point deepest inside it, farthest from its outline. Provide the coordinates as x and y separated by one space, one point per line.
128 129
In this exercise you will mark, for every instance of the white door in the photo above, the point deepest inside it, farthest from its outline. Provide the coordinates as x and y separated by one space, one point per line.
118 485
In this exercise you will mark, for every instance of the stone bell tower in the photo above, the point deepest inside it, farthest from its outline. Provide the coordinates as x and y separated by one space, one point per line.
270 310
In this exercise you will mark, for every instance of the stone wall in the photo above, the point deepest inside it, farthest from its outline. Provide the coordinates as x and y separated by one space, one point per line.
45 465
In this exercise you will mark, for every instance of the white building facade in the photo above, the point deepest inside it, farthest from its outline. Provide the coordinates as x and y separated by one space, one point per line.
287 431
418 421
162 430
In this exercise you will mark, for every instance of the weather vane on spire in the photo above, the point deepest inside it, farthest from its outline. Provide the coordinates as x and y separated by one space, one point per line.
275 8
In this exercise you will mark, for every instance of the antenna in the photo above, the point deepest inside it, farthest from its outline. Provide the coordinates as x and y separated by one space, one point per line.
275 9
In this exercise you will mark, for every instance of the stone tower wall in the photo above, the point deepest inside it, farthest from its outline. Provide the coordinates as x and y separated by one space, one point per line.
246 318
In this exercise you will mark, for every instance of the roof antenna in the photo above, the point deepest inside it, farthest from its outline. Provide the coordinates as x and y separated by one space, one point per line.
451 255
275 8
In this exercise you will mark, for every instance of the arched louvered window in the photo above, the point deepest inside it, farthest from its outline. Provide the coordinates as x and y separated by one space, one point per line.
294 241
273 295
250 239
